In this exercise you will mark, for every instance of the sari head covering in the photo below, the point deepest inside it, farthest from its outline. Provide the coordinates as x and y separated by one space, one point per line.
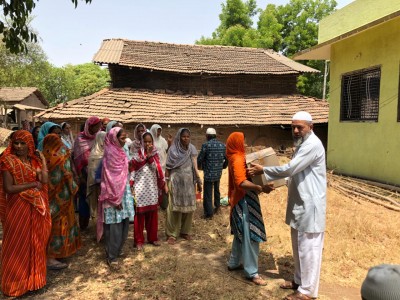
83 144
140 158
44 130
236 155
22 173
113 177
98 147
67 139
115 169
136 138
110 125
153 129
26 223
54 151
56 154
177 154
25 136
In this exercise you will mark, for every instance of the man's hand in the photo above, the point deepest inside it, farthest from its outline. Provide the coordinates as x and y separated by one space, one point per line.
268 188
255 169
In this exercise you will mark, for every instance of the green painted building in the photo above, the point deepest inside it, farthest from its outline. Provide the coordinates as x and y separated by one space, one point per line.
362 43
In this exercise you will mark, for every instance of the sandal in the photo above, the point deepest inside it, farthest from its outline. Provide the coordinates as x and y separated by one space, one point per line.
289 285
185 236
171 240
257 280
139 247
113 264
297 296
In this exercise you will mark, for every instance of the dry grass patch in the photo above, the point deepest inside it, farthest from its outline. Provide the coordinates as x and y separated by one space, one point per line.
358 236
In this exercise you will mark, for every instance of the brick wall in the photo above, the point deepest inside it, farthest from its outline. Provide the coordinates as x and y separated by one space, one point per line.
203 84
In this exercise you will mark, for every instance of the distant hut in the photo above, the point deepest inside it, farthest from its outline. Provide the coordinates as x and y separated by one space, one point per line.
18 104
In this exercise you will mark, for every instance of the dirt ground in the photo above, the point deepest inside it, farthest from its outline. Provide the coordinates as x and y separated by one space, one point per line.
358 236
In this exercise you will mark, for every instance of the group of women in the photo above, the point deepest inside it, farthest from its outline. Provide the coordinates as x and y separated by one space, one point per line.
102 169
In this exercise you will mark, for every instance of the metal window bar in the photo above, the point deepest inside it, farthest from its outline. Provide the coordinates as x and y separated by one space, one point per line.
398 101
360 95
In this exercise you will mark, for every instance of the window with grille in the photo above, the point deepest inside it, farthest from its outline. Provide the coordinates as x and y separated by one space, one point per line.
360 95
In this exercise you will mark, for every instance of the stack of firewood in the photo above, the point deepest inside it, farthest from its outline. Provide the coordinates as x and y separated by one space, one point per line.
363 190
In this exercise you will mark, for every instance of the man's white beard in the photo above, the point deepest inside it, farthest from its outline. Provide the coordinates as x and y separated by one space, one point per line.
297 141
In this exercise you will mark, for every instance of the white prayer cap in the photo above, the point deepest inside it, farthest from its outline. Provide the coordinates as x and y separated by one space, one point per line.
211 131
302 116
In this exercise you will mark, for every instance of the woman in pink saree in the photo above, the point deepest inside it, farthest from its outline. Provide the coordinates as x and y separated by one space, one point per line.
115 207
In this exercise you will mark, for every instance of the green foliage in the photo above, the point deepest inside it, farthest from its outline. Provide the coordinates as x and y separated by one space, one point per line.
58 85
269 29
287 29
300 19
14 28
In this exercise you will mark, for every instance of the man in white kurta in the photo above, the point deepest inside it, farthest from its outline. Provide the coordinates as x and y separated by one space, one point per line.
306 208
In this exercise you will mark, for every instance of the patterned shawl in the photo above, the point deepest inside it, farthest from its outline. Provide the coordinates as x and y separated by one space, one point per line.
140 158
57 154
114 176
44 130
22 173
115 170
177 154
236 156
67 139
83 144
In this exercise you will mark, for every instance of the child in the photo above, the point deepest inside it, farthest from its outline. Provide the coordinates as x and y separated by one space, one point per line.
148 183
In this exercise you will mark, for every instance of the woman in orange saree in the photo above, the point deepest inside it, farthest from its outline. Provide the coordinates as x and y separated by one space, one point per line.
65 238
25 215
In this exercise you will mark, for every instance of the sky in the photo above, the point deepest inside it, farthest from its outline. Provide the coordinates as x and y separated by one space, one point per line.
73 36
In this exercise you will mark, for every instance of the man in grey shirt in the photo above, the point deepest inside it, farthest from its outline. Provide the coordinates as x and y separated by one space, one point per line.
306 208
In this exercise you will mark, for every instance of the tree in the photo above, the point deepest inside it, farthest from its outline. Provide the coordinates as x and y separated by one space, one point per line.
269 29
14 27
57 85
300 19
89 78
235 27
287 29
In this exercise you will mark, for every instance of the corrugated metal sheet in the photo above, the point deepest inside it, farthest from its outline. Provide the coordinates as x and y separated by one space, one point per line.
196 59
109 52
132 105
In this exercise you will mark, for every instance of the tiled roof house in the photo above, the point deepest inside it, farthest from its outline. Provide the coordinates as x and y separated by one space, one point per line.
20 103
230 88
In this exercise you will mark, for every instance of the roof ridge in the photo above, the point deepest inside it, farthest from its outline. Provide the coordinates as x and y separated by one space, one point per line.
195 59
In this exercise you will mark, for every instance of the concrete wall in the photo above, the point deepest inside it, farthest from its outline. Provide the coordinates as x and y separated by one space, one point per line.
355 15
367 149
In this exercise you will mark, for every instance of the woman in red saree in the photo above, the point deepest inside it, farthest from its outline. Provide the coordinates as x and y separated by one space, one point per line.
65 237
25 215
